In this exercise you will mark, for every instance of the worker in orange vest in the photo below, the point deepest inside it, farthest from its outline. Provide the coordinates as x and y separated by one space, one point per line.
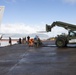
31 42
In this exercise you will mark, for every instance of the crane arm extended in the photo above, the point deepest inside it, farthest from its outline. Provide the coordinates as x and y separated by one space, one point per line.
61 24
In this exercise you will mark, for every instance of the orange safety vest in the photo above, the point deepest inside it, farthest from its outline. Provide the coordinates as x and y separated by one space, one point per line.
31 42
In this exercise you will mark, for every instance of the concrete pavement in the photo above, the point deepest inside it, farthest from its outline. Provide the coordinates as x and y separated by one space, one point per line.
24 60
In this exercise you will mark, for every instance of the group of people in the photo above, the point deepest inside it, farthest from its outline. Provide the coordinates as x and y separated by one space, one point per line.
23 40
35 41
30 41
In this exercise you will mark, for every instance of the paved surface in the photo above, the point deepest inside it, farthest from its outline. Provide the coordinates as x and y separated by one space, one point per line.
48 60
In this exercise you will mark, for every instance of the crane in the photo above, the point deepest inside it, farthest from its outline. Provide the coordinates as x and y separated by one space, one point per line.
63 40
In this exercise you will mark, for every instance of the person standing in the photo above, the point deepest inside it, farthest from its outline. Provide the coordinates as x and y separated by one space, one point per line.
28 38
10 41
37 41
1 39
20 41
25 40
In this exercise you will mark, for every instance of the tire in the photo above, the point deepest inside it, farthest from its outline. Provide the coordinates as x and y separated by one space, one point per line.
60 43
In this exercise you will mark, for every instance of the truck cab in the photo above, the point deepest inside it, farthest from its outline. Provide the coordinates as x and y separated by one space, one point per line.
72 37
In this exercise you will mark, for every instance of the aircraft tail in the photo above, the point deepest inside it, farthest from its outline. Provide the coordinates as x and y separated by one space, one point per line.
1 13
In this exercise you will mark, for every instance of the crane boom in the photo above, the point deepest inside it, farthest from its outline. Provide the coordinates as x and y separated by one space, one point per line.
61 24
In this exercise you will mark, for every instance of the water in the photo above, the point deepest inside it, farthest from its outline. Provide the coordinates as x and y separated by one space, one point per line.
6 43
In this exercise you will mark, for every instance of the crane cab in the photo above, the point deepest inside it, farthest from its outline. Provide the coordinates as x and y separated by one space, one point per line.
72 36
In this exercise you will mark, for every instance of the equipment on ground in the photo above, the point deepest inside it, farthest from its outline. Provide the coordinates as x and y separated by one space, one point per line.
37 43
62 40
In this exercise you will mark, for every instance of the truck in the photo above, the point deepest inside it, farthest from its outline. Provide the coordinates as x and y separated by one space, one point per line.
62 40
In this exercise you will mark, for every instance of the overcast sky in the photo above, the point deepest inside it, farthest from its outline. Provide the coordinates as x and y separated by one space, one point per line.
29 16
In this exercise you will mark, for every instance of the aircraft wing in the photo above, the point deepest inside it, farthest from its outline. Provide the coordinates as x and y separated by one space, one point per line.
41 31
1 13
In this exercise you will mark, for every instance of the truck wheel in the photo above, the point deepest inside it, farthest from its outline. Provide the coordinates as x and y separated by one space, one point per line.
60 43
